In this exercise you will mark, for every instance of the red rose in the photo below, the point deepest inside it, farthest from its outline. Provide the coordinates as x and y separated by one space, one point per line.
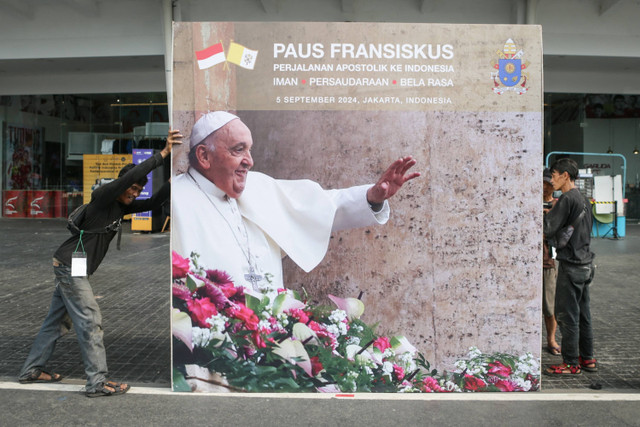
472 383
229 290
258 339
504 385
180 265
246 315
201 310
316 366
497 368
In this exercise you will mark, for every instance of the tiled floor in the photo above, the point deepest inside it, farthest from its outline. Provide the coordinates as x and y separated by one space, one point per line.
133 290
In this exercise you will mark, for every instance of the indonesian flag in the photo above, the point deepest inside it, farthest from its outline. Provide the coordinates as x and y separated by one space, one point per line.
240 55
210 56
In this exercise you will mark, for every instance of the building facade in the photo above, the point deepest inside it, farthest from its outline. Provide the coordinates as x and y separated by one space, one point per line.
93 76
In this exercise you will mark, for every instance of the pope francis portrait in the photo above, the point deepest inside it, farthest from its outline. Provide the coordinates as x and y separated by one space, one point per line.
244 222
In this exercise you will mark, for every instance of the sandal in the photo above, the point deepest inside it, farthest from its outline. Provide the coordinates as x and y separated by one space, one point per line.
36 377
103 389
563 369
555 350
589 365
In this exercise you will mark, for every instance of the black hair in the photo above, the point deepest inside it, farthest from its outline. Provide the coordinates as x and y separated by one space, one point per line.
566 165
126 168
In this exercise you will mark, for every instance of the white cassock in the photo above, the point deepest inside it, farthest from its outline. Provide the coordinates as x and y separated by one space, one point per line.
271 219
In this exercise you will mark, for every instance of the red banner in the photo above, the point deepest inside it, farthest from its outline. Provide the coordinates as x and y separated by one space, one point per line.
14 204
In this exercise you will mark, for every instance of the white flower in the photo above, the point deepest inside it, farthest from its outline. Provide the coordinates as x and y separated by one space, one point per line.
217 323
406 361
450 386
460 365
474 352
407 388
200 337
264 324
387 368
337 329
338 316
524 384
333 329
353 340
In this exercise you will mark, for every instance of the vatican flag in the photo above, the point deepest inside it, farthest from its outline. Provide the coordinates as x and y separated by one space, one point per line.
242 56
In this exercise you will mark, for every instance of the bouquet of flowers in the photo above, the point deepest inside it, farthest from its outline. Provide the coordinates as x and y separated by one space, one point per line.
228 338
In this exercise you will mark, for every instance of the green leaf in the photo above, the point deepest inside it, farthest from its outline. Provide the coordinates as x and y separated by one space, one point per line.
179 383
277 303
191 284
252 302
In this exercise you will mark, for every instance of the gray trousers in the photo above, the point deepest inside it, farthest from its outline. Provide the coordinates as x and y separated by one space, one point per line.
73 302
573 312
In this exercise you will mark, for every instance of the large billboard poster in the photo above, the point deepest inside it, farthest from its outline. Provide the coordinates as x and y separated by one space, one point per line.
291 277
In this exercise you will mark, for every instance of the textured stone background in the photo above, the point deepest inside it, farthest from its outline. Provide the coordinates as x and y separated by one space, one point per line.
459 262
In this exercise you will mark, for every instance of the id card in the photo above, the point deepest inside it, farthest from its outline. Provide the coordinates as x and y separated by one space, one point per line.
78 264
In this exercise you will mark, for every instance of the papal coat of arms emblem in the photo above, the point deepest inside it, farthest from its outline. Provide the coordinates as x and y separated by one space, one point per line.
509 74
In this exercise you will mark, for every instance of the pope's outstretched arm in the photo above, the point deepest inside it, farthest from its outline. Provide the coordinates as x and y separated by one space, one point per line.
365 205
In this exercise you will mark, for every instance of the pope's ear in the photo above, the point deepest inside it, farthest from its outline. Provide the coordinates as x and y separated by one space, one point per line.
202 157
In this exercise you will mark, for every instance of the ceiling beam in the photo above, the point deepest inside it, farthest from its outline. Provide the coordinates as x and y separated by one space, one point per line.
348 6
269 6
88 8
19 9
606 5
426 6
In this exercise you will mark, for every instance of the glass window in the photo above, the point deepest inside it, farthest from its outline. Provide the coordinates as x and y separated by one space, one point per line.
43 138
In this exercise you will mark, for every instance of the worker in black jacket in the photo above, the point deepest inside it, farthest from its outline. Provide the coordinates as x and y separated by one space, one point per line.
79 257
569 224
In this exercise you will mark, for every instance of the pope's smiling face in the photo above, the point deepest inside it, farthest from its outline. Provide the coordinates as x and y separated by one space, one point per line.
231 159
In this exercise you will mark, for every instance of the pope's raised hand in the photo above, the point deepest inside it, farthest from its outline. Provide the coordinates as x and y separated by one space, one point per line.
392 180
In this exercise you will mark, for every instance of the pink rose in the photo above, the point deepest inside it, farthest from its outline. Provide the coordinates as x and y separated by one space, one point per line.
180 265
497 368
472 383
430 385
399 372
315 326
382 344
201 310
299 315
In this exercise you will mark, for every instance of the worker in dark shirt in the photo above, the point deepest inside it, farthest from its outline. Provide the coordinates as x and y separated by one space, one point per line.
575 271
75 260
